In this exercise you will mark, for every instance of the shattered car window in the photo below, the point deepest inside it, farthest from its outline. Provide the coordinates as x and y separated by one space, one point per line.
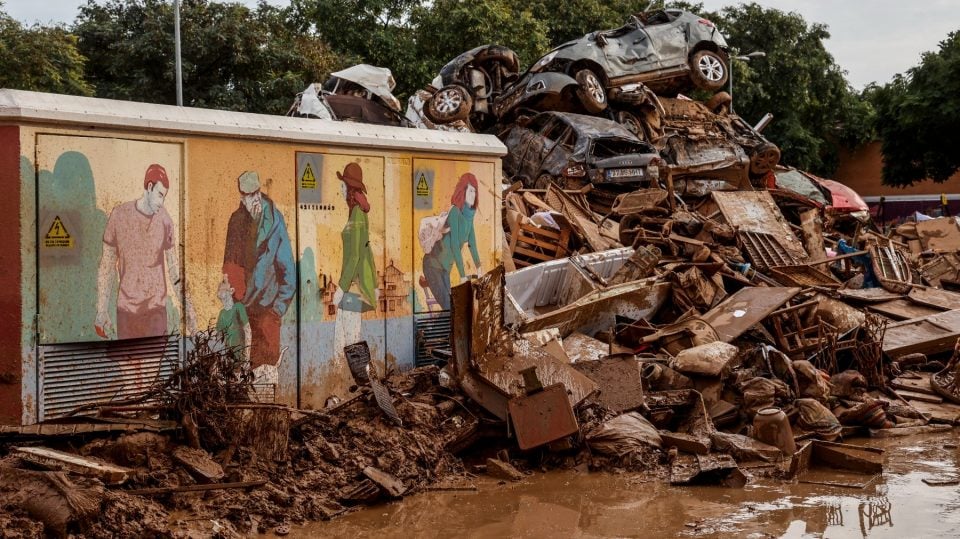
613 147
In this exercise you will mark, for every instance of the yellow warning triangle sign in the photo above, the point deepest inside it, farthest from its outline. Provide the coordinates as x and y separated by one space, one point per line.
423 188
57 230
58 236
308 180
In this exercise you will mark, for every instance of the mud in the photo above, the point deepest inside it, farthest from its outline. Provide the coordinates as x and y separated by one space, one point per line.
571 504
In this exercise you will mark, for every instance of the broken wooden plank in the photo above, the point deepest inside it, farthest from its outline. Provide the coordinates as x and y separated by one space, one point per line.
840 484
919 396
848 457
196 488
929 335
945 413
390 484
199 464
918 384
908 431
746 308
52 459
945 482
687 443
935 297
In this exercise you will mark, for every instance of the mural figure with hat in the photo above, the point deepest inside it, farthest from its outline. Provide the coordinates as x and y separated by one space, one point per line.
258 264
358 271
139 253
443 239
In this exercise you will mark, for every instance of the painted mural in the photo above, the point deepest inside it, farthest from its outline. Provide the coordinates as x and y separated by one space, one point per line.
450 226
290 253
109 262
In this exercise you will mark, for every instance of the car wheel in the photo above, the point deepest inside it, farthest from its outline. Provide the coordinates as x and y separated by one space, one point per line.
544 180
449 104
720 103
591 91
764 159
708 70
630 121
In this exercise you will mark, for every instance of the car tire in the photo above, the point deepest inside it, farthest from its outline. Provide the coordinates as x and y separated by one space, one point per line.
708 70
764 159
720 103
543 181
449 104
591 92
632 123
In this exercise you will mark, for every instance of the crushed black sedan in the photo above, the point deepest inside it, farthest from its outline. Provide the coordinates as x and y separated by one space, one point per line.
468 85
567 148
667 49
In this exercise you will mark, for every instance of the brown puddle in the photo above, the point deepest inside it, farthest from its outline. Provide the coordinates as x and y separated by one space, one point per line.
568 504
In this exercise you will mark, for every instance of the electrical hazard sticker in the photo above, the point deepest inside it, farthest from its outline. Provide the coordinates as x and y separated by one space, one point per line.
58 236
308 180
423 188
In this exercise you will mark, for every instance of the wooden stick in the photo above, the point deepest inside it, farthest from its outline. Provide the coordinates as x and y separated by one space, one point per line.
196 488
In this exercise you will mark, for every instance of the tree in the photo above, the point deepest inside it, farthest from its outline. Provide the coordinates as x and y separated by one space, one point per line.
43 59
815 110
918 118
234 58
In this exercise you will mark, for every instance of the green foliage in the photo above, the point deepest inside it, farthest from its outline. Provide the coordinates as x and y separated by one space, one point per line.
233 58
42 59
918 118
815 109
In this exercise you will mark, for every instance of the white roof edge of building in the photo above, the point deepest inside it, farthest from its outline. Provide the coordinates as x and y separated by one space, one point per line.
44 108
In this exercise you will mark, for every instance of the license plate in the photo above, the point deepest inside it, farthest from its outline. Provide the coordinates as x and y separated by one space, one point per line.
624 172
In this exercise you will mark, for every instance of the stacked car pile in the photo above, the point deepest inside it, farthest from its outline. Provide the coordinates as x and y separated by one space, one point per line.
666 278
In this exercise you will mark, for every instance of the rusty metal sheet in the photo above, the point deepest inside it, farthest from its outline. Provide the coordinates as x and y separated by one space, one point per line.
502 369
755 211
928 335
543 417
618 379
942 234
746 308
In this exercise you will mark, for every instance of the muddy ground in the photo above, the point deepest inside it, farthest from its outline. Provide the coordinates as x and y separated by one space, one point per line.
569 504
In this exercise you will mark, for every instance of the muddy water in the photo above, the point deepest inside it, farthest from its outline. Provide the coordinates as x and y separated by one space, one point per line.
568 504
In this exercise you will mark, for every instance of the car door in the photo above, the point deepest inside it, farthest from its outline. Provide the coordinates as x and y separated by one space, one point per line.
668 41
627 51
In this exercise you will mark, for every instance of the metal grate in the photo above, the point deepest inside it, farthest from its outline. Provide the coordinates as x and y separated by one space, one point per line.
765 251
433 333
75 374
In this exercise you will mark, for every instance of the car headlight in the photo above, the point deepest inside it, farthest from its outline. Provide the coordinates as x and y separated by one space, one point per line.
542 63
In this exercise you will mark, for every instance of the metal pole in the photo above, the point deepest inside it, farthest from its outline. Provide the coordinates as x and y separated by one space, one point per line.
176 47
730 80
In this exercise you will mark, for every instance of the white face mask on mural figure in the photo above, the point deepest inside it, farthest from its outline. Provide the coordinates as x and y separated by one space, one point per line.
471 197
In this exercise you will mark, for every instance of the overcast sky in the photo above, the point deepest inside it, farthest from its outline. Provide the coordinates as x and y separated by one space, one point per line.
871 39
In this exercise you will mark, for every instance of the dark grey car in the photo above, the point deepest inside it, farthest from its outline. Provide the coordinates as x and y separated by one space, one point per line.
667 49
560 146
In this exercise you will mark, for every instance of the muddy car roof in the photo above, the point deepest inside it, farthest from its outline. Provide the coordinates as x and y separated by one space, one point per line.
593 126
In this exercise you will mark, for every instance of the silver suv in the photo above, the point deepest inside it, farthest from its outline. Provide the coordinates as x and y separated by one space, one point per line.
668 50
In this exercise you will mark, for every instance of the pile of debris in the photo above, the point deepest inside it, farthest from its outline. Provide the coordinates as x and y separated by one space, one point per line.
200 443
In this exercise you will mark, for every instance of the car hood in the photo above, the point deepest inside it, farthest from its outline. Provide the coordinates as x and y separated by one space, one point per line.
378 80
845 200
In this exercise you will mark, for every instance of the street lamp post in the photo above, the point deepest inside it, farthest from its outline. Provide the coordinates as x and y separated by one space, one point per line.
745 58
176 50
